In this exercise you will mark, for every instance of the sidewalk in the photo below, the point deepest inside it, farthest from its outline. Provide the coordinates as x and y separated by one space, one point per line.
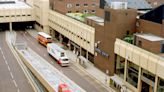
92 71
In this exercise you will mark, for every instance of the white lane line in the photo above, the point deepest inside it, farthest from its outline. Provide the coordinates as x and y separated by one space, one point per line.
18 90
3 55
11 75
6 63
8 68
15 83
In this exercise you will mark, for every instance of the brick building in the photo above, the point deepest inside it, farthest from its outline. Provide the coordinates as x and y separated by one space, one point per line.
74 6
118 23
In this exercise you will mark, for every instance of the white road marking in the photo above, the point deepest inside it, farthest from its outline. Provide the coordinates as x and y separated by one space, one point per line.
8 68
15 83
3 57
6 63
11 75
18 90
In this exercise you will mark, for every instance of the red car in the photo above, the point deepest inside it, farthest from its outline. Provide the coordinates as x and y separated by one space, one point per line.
63 88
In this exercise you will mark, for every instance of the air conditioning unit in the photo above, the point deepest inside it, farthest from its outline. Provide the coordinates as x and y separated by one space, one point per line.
119 5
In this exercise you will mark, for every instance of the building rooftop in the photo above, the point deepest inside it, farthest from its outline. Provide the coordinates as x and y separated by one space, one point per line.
156 15
13 5
150 37
96 19
134 4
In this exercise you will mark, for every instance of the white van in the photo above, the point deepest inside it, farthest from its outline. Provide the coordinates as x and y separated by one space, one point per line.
58 53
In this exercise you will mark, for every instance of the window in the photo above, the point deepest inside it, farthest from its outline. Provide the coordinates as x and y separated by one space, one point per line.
107 15
132 74
160 85
127 32
120 66
69 11
77 5
85 5
69 5
86 11
93 5
93 11
162 49
140 43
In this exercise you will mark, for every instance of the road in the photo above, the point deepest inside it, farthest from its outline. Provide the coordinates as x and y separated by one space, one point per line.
12 78
72 72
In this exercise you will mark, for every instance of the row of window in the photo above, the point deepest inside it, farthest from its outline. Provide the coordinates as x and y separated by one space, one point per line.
69 5
84 11
15 16
70 32
132 74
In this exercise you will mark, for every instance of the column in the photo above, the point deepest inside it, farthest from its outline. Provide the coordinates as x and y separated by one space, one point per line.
10 26
156 83
125 70
80 50
60 38
86 54
139 80
69 45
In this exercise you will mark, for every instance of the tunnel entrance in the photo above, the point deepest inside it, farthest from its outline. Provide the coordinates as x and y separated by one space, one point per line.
22 25
4 26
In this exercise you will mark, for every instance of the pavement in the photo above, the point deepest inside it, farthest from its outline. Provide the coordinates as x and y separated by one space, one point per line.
90 69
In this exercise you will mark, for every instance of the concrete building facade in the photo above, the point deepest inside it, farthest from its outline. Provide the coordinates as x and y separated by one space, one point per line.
139 66
137 69
78 36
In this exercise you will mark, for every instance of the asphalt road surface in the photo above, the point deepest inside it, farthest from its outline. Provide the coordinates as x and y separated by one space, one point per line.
12 78
72 72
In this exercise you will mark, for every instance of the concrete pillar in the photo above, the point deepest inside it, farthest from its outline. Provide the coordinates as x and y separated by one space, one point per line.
80 51
60 38
69 45
10 26
156 83
125 70
139 86
86 54
74 49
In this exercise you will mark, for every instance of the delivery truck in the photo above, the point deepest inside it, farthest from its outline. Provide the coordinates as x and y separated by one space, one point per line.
58 53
